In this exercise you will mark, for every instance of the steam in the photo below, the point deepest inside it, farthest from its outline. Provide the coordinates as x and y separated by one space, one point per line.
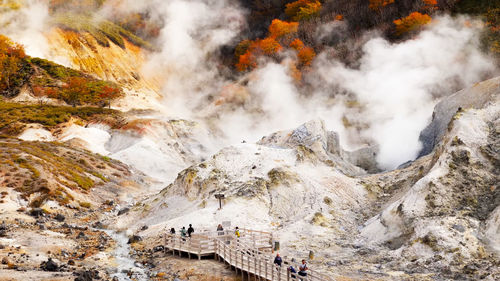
386 101
26 26
397 84
193 32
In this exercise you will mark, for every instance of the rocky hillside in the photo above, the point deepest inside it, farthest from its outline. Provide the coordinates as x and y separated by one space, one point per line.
436 217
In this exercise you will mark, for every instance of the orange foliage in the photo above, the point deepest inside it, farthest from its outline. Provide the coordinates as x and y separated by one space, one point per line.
297 44
242 47
11 61
413 21
279 29
377 4
246 61
306 55
430 4
269 46
75 90
108 93
303 9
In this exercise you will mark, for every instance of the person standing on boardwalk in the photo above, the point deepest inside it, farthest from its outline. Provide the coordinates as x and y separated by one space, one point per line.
190 230
278 260
183 233
237 232
302 268
220 230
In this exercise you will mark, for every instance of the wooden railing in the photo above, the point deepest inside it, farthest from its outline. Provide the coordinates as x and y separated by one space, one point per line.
250 253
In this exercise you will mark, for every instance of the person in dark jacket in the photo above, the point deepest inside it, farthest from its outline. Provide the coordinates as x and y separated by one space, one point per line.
220 230
190 230
172 230
278 260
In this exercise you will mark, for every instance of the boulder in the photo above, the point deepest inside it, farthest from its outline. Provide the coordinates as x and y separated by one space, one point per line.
59 218
87 275
134 239
37 212
123 211
49 265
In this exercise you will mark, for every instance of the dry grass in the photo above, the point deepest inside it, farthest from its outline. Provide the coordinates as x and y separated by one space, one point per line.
51 171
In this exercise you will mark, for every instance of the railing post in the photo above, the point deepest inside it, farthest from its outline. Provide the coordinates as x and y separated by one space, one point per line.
242 263
241 269
255 266
180 246
265 268
199 250
216 247
272 272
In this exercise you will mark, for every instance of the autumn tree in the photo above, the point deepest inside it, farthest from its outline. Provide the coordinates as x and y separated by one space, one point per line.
75 90
108 93
246 61
39 92
377 4
430 4
297 44
303 9
12 57
306 55
267 46
282 29
412 22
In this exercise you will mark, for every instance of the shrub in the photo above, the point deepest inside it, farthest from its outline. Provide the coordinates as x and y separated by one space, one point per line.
13 115
303 9
280 29
412 22
377 4
306 55
84 204
297 44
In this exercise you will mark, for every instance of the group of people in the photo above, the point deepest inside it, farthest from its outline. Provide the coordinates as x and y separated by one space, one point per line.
187 233
302 267
184 233
278 261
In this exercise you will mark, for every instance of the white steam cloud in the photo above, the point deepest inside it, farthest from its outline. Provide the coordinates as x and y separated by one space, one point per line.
193 31
27 25
397 83
395 86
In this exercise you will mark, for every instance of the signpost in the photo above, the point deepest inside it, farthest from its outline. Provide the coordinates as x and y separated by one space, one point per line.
220 196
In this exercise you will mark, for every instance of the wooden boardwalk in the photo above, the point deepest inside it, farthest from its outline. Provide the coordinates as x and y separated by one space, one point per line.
251 254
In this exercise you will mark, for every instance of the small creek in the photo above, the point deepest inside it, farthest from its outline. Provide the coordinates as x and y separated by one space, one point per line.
125 264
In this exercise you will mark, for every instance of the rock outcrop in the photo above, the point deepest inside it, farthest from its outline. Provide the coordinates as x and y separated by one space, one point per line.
476 96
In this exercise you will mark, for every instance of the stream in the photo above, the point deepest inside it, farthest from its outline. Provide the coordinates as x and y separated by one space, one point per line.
125 263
